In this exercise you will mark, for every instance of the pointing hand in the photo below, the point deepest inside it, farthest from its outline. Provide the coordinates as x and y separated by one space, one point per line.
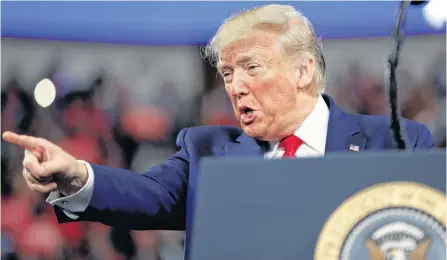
46 167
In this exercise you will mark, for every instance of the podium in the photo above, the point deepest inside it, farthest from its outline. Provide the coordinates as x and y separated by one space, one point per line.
373 205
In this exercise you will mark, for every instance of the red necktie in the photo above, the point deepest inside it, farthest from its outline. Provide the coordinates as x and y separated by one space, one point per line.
290 145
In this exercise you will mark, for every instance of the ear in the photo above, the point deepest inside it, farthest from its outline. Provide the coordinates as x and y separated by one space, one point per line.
305 70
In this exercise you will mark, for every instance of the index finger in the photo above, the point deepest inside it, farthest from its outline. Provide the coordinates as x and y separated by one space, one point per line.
24 141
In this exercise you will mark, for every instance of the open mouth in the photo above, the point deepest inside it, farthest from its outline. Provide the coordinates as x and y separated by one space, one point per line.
247 114
245 110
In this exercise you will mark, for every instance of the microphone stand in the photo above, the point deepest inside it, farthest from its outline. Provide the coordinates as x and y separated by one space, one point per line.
390 76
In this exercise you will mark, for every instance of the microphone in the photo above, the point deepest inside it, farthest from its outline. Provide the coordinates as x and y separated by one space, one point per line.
390 74
417 2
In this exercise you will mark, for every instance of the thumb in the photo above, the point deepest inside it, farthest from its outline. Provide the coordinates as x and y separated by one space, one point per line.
52 167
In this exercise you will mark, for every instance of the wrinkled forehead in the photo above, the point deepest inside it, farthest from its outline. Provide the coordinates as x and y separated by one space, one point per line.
263 45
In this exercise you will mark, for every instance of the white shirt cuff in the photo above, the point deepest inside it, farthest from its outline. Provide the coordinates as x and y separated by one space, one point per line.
76 202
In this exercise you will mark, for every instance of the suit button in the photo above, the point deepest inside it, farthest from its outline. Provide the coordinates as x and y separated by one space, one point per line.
64 202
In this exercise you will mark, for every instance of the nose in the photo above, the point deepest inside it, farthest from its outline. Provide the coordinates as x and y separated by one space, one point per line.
239 86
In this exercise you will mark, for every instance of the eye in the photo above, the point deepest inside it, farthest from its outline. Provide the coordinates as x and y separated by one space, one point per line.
252 66
225 74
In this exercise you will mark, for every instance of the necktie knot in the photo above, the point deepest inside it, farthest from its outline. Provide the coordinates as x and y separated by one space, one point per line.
290 145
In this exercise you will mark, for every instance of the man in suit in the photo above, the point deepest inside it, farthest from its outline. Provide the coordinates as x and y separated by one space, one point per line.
273 69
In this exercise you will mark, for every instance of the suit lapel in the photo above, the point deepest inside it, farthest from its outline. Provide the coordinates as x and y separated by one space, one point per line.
343 130
245 146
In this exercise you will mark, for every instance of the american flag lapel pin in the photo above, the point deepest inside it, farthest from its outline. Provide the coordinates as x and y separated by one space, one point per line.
354 148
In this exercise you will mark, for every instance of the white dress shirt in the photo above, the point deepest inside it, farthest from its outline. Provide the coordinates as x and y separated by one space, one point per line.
312 131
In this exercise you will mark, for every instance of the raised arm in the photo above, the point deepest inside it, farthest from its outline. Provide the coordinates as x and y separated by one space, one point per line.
117 197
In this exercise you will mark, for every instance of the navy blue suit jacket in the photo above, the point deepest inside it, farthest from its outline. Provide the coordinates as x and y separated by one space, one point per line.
163 197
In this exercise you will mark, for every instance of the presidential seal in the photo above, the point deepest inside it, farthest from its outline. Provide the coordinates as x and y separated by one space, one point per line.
390 221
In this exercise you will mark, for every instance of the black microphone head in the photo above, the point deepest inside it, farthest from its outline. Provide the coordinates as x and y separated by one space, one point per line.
418 2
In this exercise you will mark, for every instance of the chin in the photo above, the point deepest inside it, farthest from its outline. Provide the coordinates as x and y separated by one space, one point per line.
253 131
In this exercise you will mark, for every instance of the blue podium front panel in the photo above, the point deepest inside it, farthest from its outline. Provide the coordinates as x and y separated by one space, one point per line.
387 205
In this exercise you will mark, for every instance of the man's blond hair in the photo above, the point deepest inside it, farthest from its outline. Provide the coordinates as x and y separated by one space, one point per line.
296 33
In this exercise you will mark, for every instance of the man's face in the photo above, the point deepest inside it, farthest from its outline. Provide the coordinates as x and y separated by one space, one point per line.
260 84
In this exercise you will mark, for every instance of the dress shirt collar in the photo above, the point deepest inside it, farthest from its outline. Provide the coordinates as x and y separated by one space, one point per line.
313 130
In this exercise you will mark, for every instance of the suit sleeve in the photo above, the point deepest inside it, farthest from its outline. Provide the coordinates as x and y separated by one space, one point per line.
155 199
424 138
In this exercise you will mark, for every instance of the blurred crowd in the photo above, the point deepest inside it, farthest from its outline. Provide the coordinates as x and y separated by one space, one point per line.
422 101
100 123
